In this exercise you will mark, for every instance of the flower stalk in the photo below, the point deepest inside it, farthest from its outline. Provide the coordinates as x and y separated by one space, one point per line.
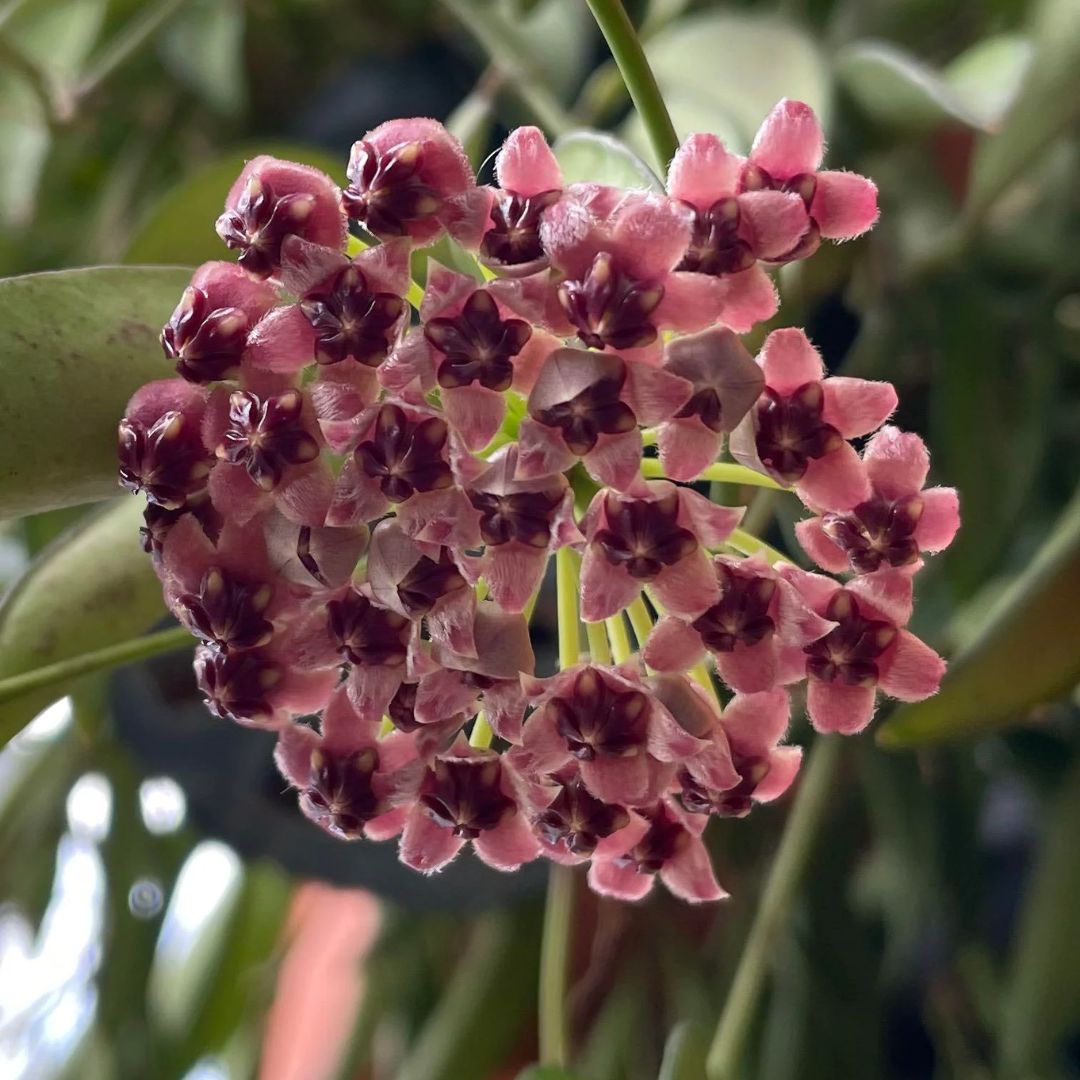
724 1061
626 48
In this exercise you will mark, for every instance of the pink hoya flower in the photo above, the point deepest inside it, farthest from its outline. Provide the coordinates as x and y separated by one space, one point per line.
588 405
655 536
267 441
757 615
786 156
263 686
897 523
381 647
207 335
573 825
314 558
160 444
488 678
411 178
530 182
227 592
521 523
797 432
273 199
745 739
467 795
350 781
421 581
350 312
725 384
671 849
474 349
868 649
615 255
733 228
625 742
403 459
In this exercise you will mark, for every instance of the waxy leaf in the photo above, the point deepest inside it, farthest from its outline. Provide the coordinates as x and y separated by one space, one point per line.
1024 655
762 59
90 588
74 346
594 157
1047 102
897 89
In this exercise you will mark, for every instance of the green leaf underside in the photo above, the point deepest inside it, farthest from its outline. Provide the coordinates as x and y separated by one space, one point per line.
597 157
74 346
91 588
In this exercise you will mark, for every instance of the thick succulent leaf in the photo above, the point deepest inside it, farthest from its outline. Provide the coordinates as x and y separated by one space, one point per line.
1046 103
1024 655
762 60
1043 996
602 159
74 346
988 76
90 588
899 90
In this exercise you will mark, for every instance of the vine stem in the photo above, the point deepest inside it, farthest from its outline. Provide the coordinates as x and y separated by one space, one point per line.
804 822
558 911
726 472
125 652
630 57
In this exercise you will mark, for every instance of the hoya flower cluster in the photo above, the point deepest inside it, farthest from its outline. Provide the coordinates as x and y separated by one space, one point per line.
352 504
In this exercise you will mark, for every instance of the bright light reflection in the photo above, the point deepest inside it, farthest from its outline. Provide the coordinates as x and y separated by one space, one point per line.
162 804
89 807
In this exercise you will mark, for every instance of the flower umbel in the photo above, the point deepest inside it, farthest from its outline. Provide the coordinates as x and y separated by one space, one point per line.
353 506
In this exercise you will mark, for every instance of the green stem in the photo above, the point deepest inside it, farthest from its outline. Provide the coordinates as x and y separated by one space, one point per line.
623 41
511 55
640 620
726 472
555 948
599 647
796 845
554 962
481 734
126 652
566 581
621 649
745 544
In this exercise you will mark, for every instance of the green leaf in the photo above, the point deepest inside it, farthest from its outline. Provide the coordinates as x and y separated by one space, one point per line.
1048 101
988 76
204 47
547 1072
760 59
684 1053
58 37
593 156
180 227
92 587
487 1002
74 346
1043 995
24 135
897 89
1024 655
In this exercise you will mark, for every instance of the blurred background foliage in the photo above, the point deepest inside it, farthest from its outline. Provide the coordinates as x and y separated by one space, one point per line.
165 911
